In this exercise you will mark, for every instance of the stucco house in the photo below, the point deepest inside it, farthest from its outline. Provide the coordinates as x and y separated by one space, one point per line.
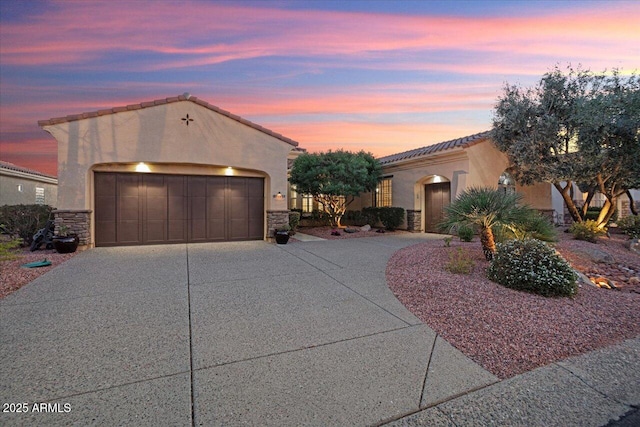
23 186
424 180
181 170
169 171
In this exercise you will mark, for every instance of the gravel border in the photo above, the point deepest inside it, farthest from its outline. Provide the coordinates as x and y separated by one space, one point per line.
506 331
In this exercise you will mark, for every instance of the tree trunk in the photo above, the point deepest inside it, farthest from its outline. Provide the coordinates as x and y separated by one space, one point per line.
605 213
488 243
568 201
587 202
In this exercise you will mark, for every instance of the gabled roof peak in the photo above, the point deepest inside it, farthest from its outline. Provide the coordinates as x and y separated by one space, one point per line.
184 97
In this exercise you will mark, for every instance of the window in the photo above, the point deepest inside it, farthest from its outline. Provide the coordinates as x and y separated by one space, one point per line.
506 183
382 196
293 197
39 196
307 203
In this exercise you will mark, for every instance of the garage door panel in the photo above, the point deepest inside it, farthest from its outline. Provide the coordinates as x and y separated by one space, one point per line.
147 209
128 232
156 231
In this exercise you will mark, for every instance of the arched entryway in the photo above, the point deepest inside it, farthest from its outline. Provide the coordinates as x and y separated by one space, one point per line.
437 196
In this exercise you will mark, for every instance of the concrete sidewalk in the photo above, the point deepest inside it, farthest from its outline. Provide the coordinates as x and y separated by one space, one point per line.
253 333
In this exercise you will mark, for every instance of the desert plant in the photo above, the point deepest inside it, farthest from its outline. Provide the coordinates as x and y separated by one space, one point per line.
24 220
391 217
531 224
587 230
531 265
630 225
447 241
485 208
460 262
7 249
465 233
294 221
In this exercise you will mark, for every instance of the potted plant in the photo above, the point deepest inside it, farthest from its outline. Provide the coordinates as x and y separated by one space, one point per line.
282 234
64 242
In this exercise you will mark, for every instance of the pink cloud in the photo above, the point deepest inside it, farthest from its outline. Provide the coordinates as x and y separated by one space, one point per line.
188 35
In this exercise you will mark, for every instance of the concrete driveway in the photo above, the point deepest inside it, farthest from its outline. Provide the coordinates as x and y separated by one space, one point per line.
244 333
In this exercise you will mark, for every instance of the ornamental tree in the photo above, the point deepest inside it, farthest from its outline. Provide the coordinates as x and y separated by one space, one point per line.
334 178
573 127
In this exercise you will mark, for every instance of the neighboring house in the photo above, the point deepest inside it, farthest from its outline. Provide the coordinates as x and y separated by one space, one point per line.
22 186
169 171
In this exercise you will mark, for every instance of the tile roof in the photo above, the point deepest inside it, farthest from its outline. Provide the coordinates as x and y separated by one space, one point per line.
185 97
16 168
463 142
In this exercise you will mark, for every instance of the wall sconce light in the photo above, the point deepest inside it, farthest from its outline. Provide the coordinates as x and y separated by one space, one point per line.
228 171
279 196
142 167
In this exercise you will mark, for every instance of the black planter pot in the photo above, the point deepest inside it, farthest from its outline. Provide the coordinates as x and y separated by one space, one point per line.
282 237
65 244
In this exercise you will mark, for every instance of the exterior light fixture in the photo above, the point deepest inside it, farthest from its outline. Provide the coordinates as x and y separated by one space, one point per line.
279 196
142 167
228 171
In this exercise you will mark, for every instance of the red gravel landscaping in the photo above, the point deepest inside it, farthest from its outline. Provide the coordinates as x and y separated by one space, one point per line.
13 276
506 331
325 233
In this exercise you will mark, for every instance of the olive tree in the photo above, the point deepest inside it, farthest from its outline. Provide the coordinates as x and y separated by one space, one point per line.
573 127
334 178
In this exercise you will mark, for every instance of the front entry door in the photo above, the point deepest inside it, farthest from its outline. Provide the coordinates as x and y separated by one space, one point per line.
437 197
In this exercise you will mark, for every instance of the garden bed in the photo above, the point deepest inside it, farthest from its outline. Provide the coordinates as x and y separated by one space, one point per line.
506 331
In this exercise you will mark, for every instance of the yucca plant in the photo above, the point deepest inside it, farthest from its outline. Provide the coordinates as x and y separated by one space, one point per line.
486 209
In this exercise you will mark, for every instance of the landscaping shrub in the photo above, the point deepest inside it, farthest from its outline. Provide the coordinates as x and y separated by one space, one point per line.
320 217
530 265
391 217
630 225
465 233
7 249
533 225
593 213
24 220
460 262
587 230
294 221
371 214
357 218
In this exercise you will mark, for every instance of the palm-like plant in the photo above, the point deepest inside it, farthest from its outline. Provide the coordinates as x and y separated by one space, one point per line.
486 209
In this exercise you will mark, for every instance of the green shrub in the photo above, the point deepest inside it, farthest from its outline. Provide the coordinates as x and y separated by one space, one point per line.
532 225
320 217
447 241
460 262
391 217
530 265
294 221
465 233
593 214
630 225
587 230
7 249
24 220
371 213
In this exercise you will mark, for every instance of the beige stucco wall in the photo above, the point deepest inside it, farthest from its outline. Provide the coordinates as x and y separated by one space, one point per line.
158 136
479 165
10 195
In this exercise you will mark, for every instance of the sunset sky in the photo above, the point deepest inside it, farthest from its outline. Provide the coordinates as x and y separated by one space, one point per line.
375 75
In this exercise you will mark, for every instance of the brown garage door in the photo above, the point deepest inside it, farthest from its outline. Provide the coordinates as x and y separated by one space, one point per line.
140 209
